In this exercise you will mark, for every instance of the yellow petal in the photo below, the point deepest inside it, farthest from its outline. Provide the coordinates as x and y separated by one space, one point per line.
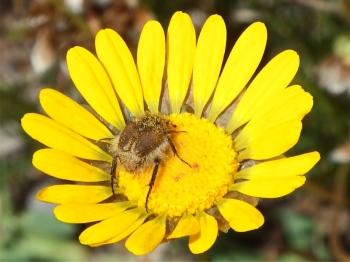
187 226
109 228
181 41
147 237
86 213
280 168
64 166
271 80
52 134
269 188
136 224
119 63
72 115
208 60
240 215
292 102
94 85
263 144
202 241
289 106
239 68
70 194
150 62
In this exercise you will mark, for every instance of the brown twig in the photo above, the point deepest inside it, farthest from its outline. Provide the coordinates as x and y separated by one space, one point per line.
340 193
324 194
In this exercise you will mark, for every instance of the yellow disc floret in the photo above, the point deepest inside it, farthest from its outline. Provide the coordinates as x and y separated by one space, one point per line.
180 188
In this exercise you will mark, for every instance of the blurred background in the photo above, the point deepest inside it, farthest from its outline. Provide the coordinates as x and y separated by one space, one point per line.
312 224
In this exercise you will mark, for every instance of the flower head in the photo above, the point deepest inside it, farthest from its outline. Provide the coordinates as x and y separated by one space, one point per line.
205 177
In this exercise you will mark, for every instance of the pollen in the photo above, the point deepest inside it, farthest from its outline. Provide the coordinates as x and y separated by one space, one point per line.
180 188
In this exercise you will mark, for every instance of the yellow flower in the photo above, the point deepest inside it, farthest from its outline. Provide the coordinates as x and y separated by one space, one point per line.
228 168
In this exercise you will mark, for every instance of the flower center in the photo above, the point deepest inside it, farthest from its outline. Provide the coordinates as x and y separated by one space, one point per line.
179 188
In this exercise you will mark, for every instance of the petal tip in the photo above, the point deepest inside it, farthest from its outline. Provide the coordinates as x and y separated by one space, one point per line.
258 223
57 214
180 15
84 239
26 118
153 23
293 54
71 51
312 159
315 156
40 195
23 119
216 18
45 91
35 157
43 95
260 26
104 32
177 13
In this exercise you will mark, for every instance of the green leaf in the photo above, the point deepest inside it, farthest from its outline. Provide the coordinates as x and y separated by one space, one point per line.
44 224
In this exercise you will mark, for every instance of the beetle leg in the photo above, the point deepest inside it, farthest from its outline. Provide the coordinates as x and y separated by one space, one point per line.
112 173
173 148
153 179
